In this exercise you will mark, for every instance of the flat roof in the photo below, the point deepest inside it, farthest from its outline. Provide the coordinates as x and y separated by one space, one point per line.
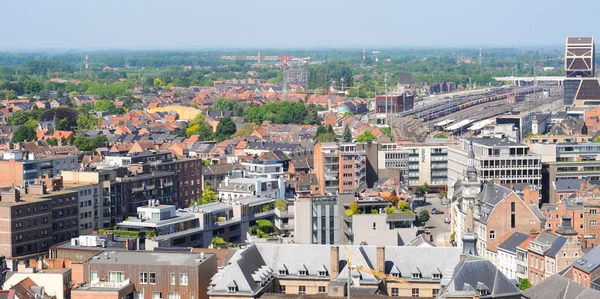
148 258
496 142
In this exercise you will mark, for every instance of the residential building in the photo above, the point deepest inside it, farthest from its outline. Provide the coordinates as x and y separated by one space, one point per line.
523 122
559 287
494 210
340 168
416 163
213 175
35 218
586 270
238 186
310 269
152 274
20 168
497 160
54 282
522 261
507 254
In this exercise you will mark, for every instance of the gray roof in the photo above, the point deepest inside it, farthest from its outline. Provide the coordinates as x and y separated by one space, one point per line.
559 287
556 246
493 142
474 274
590 261
490 196
568 185
317 258
513 241
146 258
275 146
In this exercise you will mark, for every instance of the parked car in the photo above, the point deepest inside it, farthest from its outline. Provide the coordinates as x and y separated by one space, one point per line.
447 220
436 211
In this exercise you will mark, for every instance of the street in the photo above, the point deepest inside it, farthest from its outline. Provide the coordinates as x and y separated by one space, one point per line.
439 230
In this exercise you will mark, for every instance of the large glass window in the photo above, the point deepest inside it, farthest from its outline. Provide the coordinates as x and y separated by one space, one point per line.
116 276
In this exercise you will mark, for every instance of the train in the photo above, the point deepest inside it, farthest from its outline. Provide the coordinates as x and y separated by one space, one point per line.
475 100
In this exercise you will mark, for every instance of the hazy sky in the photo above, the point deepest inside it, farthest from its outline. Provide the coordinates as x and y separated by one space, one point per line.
177 24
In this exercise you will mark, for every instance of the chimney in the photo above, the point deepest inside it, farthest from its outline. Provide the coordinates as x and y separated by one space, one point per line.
381 259
335 261
531 195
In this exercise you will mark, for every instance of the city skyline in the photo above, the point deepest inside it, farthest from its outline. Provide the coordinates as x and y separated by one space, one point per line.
270 24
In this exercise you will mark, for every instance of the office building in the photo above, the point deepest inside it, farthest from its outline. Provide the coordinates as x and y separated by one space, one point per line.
20 168
499 160
295 76
394 103
581 87
521 122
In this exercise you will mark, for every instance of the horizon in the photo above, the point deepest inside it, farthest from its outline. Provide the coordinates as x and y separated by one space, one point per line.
352 24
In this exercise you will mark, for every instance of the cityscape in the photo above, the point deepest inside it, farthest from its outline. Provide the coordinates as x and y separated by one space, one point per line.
269 160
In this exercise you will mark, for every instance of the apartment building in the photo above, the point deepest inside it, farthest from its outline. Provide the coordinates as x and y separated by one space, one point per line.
417 163
152 274
54 282
497 160
34 218
20 168
310 269
507 254
340 168
166 226
586 270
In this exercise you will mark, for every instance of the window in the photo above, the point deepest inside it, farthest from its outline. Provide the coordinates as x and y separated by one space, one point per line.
347 175
416 275
492 234
152 278
231 289
512 215
437 276
322 289
143 277
549 225
415 292
302 272
322 273
374 225
283 272
347 183
593 222
116 276
395 292
395 274
156 295
435 292
302 290
183 279
281 289
347 166
593 212
174 295
172 279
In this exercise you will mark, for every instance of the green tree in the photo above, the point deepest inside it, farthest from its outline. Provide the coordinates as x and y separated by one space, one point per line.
25 132
266 226
423 216
280 205
208 196
18 118
366 136
440 135
217 242
347 134
32 86
224 104
63 124
52 141
524 284
83 143
86 122
108 106
425 188
403 206
225 129
247 129
388 132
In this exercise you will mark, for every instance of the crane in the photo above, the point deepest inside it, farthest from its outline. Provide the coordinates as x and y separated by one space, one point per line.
373 272
260 58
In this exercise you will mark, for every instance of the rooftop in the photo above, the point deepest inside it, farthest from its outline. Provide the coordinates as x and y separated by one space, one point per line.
590 261
148 258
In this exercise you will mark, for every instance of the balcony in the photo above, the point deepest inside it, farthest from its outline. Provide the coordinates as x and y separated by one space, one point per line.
168 184
284 214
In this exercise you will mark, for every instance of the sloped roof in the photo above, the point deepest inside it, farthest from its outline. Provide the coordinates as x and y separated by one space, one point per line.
559 287
513 241
474 273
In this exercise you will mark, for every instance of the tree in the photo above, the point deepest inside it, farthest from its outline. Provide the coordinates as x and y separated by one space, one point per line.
63 124
108 106
224 104
217 242
83 143
25 132
440 135
52 141
266 226
280 205
247 129
423 216
61 113
86 122
366 136
158 82
393 199
225 129
347 134
524 284
32 86
425 188
208 196
18 118
403 206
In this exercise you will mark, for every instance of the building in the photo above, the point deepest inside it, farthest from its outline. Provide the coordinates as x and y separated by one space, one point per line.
54 282
295 76
523 122
394 103
581 88
35 218
559 287
152 274
415 164
497 160
586 270
308 269
507 254
340 168
20 168
237 187
492 210
317 219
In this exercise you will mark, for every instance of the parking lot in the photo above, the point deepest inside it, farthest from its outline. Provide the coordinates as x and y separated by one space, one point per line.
439 230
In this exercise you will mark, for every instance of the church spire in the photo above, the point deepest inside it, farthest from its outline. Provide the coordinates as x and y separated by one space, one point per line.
471 171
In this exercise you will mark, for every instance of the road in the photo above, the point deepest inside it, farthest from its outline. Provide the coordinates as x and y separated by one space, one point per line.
439 230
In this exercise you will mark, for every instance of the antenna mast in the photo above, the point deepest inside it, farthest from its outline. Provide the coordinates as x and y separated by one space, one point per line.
87 67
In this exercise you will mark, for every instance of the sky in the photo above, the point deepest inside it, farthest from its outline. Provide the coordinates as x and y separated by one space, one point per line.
201 24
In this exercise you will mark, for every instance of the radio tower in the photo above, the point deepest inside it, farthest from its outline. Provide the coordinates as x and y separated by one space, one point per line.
479 54
364 57
87 67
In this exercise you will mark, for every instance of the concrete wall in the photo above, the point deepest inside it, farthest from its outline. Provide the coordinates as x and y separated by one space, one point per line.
374 230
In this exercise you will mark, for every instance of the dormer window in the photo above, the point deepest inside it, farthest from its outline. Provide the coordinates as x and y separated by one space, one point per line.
283 272
322 273
397 275
231 289
483 292
437 276
302 272
416 275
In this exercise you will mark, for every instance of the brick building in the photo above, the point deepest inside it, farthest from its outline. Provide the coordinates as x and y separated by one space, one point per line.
340 168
